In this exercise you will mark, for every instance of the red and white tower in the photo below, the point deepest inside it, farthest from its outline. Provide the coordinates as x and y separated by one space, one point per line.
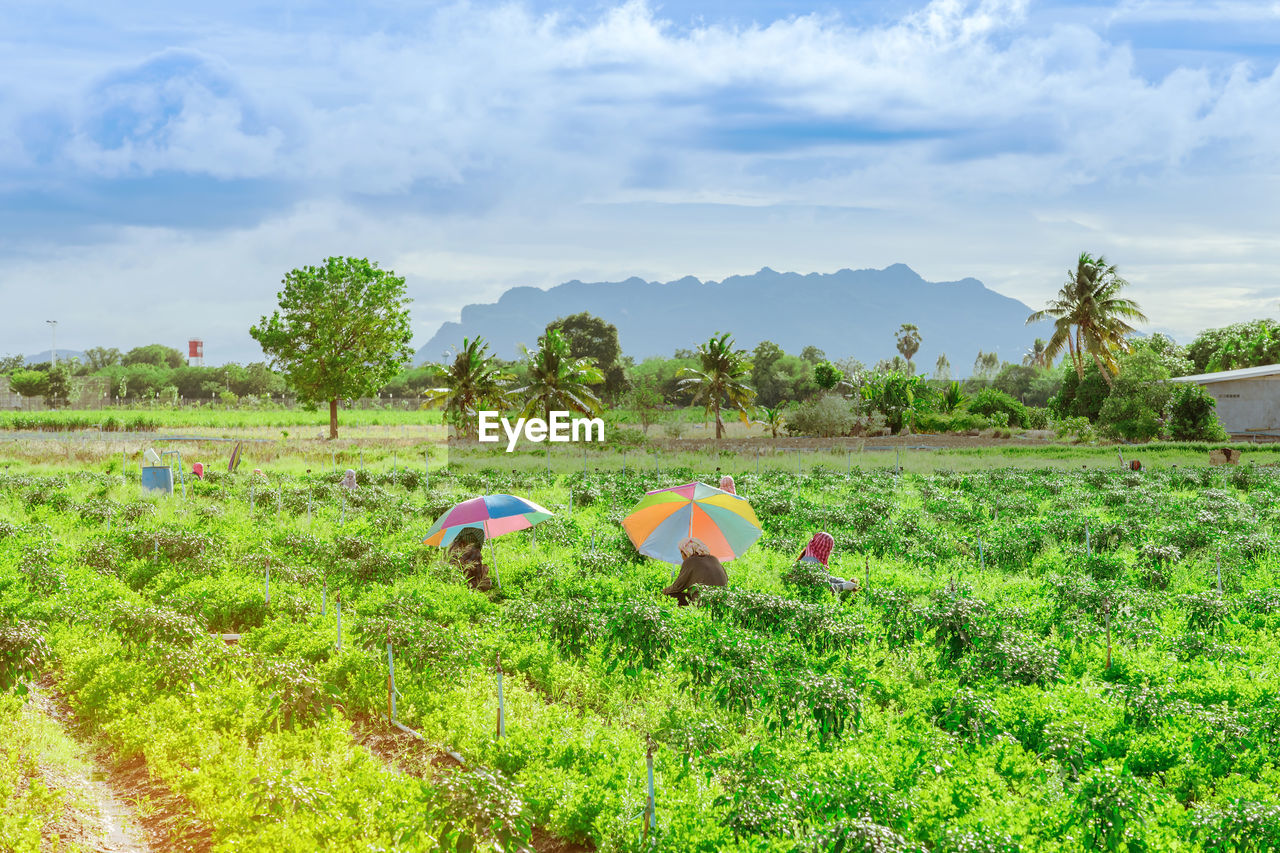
195 352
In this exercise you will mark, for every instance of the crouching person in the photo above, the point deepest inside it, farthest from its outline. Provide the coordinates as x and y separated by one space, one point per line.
819 551
468 555
699 567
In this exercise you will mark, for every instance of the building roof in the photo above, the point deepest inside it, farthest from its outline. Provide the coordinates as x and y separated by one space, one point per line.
1229 375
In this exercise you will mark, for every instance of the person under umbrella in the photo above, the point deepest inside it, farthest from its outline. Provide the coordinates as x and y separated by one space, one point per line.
700 566
819 551
727 485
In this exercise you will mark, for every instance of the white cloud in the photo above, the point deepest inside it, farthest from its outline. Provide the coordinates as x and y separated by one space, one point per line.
475 147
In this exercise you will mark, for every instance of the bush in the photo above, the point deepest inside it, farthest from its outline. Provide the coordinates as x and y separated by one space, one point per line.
829 415
1037 418
991 403
1077 427
1192 416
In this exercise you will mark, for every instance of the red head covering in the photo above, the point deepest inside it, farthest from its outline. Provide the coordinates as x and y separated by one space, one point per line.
726 485
820 547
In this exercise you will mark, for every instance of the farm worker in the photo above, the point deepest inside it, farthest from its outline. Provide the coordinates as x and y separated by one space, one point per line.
819 551
197 468
349 479
726 485
699 567
468 556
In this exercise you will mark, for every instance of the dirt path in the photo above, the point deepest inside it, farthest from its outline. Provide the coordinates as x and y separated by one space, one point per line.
106 822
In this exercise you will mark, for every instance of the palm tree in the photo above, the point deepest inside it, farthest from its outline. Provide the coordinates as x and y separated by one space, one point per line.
1089 316
721 378
908 338
559 382
472 382
1034 356
771 419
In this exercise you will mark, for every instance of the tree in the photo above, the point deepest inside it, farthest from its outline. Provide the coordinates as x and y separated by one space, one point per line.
1090 317
908 338
646 402
29 383
10 363
472 381
826 375
558 381
1250 344
157 354
764 376
57 389
720 381
593 338
771 419
986 365
1136 407
342 330
1035 354
1192 416
99 357
812 354
942 368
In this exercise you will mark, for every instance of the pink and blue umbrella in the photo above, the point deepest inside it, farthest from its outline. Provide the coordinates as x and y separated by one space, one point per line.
494 514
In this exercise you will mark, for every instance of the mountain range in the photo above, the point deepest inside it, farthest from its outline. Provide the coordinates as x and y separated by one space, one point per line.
846 313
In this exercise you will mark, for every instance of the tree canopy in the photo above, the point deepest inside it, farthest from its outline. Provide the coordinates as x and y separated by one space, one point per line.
342 330
590 337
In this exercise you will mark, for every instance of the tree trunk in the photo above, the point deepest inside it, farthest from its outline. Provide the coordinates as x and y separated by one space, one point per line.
719 425
1106 377
1075 354
333 418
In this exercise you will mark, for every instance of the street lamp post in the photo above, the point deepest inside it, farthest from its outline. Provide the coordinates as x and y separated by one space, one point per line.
53 326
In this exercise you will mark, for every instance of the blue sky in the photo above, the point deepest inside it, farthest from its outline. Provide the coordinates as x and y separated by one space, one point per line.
160 170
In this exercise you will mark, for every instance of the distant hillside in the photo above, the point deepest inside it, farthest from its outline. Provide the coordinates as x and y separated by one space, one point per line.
63 355
846 313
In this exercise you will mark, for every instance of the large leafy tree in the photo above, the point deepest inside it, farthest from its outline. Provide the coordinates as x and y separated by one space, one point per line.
1090 317
473 381
342 330
720 379
591 337
558 381
157 354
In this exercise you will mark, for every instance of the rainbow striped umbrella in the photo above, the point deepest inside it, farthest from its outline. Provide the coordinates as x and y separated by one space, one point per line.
494 514
664 517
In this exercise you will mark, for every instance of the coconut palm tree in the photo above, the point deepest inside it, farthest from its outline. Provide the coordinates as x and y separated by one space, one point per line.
1034 356
1090 317
721 378
558 381
472 382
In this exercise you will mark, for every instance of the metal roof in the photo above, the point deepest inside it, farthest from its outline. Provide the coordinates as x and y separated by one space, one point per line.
1230 375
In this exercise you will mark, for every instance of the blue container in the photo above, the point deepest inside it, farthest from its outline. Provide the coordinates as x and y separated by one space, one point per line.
157 478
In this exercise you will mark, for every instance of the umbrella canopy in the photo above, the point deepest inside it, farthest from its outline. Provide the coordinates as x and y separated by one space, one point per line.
725 522
494 514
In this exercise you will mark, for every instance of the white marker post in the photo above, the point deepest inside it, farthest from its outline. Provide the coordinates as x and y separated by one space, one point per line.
502 721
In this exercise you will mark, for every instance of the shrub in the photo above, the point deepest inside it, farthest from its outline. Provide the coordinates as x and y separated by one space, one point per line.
829 415
1192 416
990 402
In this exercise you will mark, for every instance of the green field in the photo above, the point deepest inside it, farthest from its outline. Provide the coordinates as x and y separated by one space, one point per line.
961 701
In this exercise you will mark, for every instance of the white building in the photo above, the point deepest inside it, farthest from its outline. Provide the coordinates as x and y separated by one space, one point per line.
1248 399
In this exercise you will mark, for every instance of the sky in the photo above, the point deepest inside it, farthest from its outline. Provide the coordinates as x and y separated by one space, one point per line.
162 165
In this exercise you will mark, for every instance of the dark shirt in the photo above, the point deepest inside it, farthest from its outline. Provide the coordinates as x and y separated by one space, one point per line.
698 570
474 569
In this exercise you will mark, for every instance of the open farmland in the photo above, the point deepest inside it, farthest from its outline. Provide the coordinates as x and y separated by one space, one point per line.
1041 659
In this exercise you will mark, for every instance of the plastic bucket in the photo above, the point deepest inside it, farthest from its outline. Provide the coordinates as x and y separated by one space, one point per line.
157 478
